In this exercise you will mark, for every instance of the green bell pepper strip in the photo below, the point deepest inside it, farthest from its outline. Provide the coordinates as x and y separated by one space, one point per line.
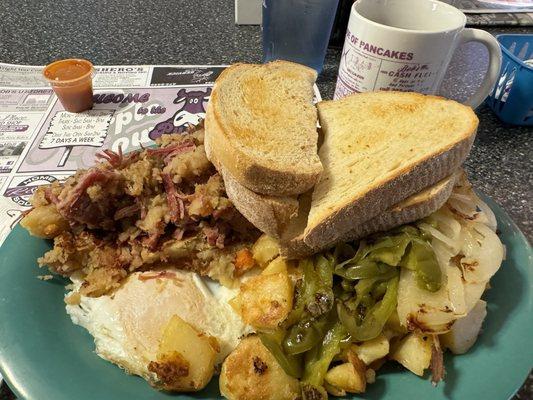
324 270
375 318
312 317
392 250
379 290
365 286
422 260
347 285
318 359
306 334
315 296
306 292
406 246
365 268
367 301
343 250
292 365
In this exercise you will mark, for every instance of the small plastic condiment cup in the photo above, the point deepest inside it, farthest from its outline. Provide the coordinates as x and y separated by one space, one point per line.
72 81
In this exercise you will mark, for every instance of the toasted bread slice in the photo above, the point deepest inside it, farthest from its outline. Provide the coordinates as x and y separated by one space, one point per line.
380 148
262 126
292 243
269 214
413 208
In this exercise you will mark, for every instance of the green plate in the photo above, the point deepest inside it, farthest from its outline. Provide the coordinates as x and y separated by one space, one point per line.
44 356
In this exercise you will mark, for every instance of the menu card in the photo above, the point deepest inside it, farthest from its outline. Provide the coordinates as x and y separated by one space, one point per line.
40 142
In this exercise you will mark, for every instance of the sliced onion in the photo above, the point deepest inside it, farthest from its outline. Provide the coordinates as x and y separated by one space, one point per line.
465 205
473 292
469 232
431 312
448 224
452 242
488 213
444 254
467 202
483 253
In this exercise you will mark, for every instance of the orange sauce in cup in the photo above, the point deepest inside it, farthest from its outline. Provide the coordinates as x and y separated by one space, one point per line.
71 80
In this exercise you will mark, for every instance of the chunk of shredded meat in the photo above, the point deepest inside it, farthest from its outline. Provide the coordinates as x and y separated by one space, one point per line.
75 203
437 362
148 208
174 200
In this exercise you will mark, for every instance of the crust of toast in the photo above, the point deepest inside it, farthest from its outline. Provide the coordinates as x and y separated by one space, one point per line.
413 208
334 224
269 214
292 243
254 172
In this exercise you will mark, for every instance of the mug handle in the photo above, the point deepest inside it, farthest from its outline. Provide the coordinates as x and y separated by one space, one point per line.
495 61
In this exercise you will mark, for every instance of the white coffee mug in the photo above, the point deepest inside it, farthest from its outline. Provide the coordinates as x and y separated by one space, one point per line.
406 45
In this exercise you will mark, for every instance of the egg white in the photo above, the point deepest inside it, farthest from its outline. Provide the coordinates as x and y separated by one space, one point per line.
127 324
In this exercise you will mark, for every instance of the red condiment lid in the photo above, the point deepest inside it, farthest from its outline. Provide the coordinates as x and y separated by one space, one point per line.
68 72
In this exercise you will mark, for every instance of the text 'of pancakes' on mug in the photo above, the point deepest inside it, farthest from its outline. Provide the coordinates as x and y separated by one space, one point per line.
406 45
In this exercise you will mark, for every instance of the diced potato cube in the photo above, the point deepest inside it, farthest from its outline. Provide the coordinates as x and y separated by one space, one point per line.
185 359
265 249
252 372
44 222
465 331
370 375
264 300
334 391
358 364
276 266
347 377
175 250
372 350
413 352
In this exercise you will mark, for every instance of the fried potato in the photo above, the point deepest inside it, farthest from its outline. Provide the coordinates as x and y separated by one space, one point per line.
372 350
186 357
264 300
334 391
413 352
264 250
370 375
251 372
276 266
44 222
347 378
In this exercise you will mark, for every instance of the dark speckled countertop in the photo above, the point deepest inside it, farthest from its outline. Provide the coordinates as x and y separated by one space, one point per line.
203 32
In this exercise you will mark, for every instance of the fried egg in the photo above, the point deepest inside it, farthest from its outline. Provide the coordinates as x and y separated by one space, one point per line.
127 325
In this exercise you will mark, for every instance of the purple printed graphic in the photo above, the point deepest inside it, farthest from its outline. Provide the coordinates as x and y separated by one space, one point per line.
191 112
21 192
128 129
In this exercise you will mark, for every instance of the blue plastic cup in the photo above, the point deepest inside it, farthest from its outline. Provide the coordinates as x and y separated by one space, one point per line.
297 30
